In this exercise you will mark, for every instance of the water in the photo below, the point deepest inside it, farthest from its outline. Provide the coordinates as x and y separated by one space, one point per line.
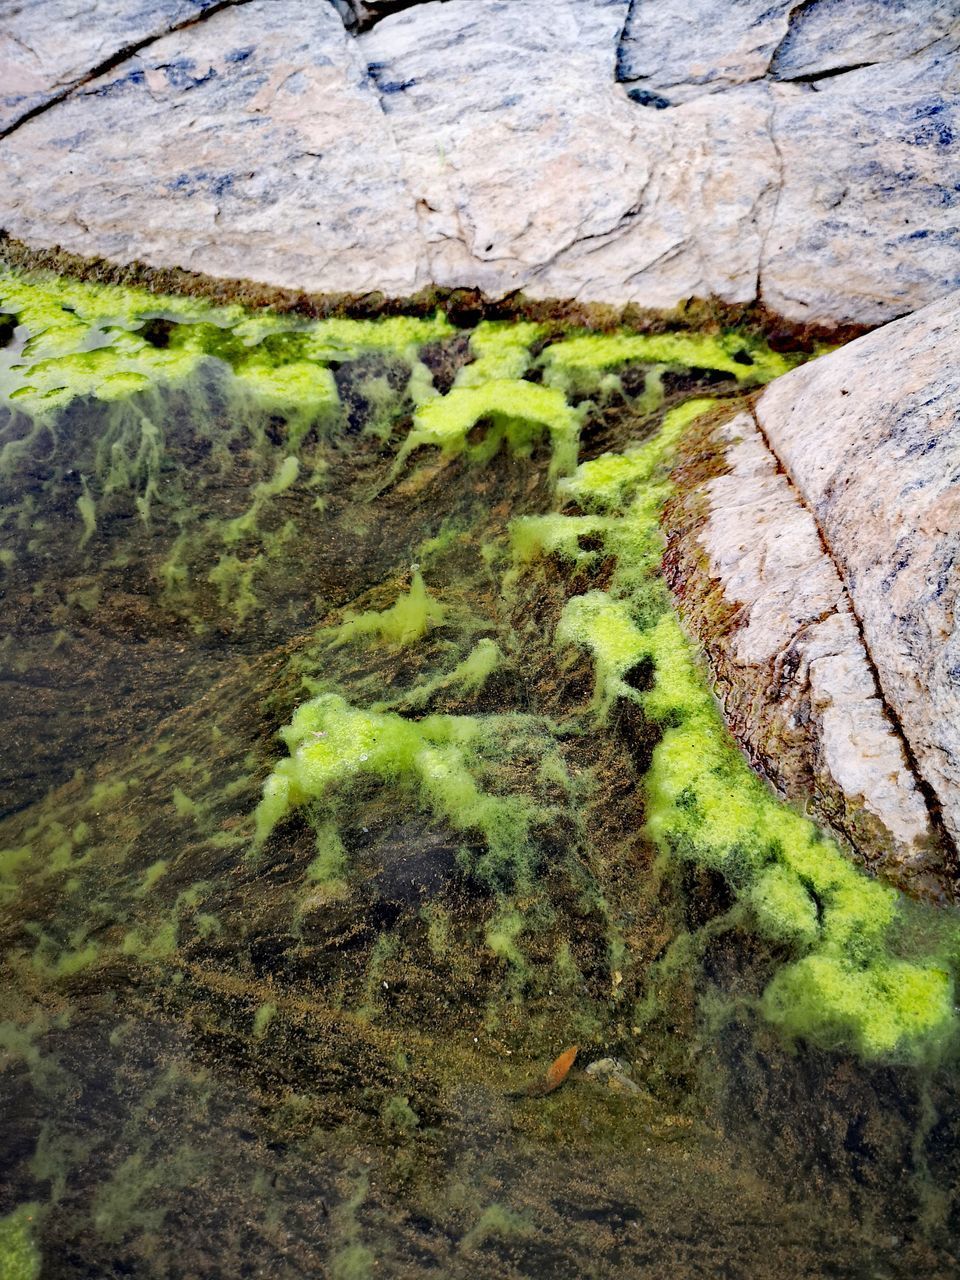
309 1034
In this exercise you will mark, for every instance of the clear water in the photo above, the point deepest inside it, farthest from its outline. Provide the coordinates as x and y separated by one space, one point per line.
328 1051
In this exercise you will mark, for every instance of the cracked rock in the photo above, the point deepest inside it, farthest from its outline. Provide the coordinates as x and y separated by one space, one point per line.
870 436
487 144
758 587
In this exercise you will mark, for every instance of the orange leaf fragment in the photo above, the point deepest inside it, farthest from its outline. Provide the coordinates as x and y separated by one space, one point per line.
559 1069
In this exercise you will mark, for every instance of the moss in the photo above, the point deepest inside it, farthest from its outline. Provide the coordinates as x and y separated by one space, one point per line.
404 623
19 1255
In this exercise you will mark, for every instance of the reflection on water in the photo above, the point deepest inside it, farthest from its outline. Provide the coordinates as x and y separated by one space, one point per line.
288 1006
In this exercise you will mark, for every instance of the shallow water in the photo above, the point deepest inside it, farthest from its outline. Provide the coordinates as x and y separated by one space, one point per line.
295 1019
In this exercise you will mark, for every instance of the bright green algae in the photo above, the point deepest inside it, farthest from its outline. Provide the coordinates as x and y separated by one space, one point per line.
19 1256
705 805
89 339
848 984
452 882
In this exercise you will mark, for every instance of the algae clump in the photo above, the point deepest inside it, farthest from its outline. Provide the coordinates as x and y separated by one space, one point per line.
404 623
19 1255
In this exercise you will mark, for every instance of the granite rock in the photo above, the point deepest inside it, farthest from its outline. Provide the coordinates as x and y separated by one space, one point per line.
47 47
870 437
240 146
488 143
760 591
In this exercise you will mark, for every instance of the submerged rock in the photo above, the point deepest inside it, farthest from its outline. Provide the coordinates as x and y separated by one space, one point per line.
249 977
614 1075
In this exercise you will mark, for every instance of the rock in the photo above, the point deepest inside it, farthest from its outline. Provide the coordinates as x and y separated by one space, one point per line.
874 209
358 15
666 55
614 1075
870 436
478 143
237 118
47 47
760 591
549 179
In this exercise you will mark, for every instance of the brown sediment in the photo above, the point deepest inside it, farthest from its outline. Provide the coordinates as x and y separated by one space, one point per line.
464 307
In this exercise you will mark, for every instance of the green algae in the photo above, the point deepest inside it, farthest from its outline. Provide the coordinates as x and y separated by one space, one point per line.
576 362
96 340
19 1255
552 961
332 744
707 807
262 1019
287 471
404 623
518 413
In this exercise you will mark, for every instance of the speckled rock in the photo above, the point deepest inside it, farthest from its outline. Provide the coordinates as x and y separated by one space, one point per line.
870 436
487 143
49 46
760 591
670 55
243 146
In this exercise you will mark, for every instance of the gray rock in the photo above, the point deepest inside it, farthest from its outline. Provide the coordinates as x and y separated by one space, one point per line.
870 436
673 54
798 689
866 221
487 143
614 1075
243 146
833 35
48 46
361 14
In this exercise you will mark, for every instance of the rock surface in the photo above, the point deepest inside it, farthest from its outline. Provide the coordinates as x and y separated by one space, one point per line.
259 150
48 46
761 593
871 438
487 143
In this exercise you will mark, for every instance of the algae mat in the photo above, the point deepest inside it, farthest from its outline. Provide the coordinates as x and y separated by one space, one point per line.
358 768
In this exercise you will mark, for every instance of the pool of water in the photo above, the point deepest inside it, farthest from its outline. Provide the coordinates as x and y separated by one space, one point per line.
357 770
